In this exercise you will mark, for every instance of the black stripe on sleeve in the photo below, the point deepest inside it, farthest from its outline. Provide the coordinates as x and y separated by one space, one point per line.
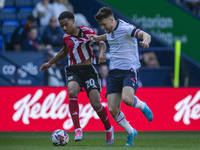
133 32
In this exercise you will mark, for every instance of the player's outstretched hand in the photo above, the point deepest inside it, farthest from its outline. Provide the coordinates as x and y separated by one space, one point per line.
144 44
45 66
92 37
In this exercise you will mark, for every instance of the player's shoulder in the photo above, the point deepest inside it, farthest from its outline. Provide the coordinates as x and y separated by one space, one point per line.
124 24
87 29
65 36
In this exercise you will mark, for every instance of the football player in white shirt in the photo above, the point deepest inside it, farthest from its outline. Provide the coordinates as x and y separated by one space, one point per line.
124 63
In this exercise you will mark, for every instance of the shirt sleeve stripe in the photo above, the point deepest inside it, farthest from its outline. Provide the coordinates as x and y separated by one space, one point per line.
136 33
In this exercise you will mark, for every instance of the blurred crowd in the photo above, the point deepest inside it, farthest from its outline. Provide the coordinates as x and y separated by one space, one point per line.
191 5
41 30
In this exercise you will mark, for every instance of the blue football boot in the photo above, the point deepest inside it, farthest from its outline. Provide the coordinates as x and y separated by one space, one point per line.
147 112
131 137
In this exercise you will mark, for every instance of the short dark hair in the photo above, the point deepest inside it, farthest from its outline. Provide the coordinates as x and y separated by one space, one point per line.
66 14
103 13
31 18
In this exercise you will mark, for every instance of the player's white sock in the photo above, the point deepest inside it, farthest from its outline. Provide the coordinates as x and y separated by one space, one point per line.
138 103
120 119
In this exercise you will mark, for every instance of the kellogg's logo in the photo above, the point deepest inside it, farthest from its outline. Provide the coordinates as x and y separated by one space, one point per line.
188 108
52 107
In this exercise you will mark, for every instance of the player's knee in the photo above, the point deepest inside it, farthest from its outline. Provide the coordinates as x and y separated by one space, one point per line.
96 106
72 93
127 100
113 111
95 102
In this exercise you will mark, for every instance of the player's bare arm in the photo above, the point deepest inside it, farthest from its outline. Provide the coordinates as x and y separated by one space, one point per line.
146 39
102 53
61 54
99 38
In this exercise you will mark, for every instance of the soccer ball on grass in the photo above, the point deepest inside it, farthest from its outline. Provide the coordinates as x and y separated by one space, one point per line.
59 137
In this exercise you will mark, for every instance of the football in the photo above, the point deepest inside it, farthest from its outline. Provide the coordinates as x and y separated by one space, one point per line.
59 138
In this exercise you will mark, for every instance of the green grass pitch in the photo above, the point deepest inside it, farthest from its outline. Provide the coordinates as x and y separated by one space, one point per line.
96 141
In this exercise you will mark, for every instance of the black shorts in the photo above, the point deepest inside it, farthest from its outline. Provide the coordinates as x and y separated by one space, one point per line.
86 76
117 79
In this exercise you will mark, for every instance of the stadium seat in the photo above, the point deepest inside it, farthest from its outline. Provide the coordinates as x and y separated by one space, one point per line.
9 3
8 13
22 22
24 12
9 26
23 3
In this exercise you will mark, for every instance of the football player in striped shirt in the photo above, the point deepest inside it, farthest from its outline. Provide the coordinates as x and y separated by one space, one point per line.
124 64
81 72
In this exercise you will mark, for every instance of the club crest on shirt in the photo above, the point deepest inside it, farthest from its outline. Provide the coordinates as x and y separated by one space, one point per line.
132 79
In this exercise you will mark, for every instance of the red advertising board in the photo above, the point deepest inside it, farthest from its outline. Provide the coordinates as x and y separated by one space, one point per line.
46 109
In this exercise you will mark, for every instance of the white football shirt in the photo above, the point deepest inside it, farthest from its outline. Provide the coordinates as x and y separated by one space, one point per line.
123 47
